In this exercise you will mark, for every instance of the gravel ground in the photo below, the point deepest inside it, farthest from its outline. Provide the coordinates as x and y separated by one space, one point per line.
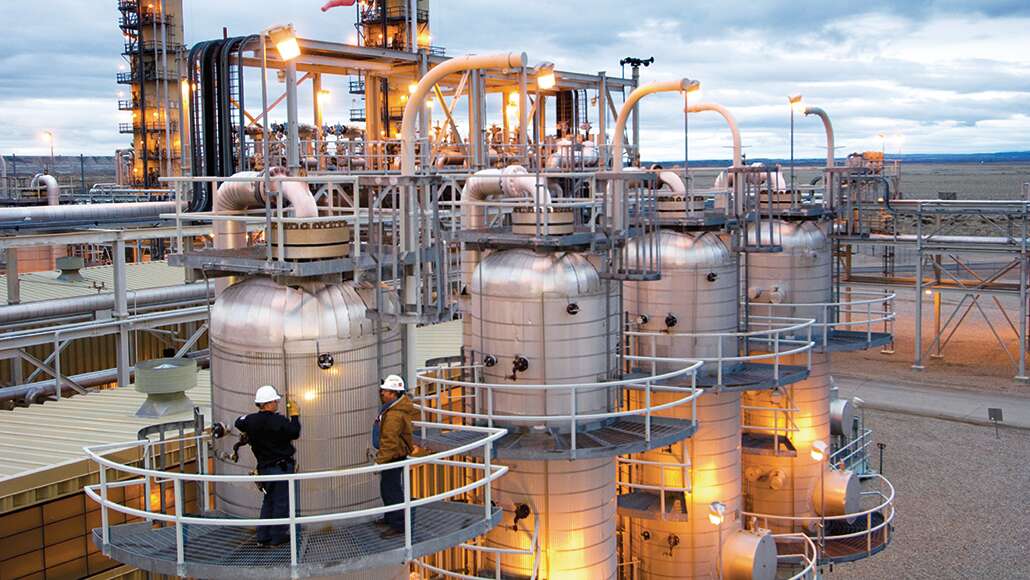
963 501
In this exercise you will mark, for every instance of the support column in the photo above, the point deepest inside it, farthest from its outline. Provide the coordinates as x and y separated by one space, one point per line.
13 280
1021 376
121 310
316 103
917 362
636 121
293 133
602 122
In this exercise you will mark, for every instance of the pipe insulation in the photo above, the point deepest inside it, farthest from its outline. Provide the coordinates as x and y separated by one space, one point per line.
233 196
98 212
53 191
85 304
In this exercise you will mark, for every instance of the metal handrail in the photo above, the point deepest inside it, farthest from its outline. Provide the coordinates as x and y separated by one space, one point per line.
533 550
887 315
662 489
424 399
809 558
777 333
856 446
99 491
885 503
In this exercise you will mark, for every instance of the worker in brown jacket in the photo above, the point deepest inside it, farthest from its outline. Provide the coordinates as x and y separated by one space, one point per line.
393 441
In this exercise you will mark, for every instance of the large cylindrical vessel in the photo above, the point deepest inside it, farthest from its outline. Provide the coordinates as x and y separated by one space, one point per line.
545 319
784 482
549 318
697 293
263 332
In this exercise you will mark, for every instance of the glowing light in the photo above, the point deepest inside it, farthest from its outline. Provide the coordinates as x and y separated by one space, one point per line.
797 104
716 513
310 396
818 450
185 87
412 88
285 41
404 98
513 99
48 136
424 38
323 97
545 78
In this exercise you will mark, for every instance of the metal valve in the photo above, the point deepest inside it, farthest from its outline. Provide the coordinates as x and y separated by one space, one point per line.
326 361
671 320
519 365
572 309
489 360
643 319
711 276
521 513
645 535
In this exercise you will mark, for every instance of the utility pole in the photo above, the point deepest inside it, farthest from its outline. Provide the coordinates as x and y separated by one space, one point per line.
635 63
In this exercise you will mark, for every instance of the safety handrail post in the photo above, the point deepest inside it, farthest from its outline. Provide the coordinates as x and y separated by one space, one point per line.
180 544
292 498
105 524
776 358
719 354
407 511
647 414
572 434
487 472
146 482
202 468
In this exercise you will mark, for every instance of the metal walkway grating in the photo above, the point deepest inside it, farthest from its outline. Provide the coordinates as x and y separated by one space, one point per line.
623 436
232 552
750 376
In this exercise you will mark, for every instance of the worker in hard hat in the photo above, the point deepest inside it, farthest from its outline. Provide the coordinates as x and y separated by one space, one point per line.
271 439
392 438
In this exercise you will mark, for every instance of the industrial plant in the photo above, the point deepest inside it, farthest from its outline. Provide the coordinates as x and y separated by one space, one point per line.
619 370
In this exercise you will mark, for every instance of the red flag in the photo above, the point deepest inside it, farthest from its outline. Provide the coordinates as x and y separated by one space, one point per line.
335 3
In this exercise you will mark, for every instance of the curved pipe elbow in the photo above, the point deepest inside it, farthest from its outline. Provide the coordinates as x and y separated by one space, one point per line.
828 126
674 181
53 190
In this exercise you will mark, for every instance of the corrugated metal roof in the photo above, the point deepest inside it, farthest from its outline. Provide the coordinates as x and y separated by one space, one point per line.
45 285
44 436
42 444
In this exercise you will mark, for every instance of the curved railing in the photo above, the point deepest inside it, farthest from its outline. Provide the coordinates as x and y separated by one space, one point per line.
860 314
479 396
854 452
779 335
498 553
626 481
100 492
883 497
807 559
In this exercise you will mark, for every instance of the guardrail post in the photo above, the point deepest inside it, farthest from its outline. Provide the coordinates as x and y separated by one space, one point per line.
202 468
869 322
647 411
291 493
488 472
180 543
407 511
146 481
572 434
104 522
809 349
776 356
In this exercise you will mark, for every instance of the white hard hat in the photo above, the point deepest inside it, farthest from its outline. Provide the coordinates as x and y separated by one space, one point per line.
266 394
393 383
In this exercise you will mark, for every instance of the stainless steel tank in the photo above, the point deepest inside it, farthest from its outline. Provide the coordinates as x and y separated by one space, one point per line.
697 293
784 484
264 332
554 312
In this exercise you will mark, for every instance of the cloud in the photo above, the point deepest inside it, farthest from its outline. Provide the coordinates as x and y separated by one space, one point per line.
934 75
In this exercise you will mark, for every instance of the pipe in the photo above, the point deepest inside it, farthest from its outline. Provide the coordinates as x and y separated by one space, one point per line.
53 191
86 304
830 159
234 196
730 120
683 84
13 217
565 153
414 105
674 181
31 392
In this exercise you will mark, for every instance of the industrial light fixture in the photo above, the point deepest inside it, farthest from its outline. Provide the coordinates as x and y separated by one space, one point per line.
323 97
412 88
797 104
285 40
818 450
545 78
716 513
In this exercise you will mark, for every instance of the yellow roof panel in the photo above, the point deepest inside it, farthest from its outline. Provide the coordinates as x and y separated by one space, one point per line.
98 280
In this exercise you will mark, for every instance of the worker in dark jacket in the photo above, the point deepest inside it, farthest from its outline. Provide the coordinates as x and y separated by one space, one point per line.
393 441
271 439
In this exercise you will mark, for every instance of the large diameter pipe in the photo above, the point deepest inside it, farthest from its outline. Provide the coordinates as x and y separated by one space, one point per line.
408 122
44 309
830 159
99 212
730 120
53 191
620 128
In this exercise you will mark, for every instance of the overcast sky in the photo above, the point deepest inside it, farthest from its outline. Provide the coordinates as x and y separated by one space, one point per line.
946 76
